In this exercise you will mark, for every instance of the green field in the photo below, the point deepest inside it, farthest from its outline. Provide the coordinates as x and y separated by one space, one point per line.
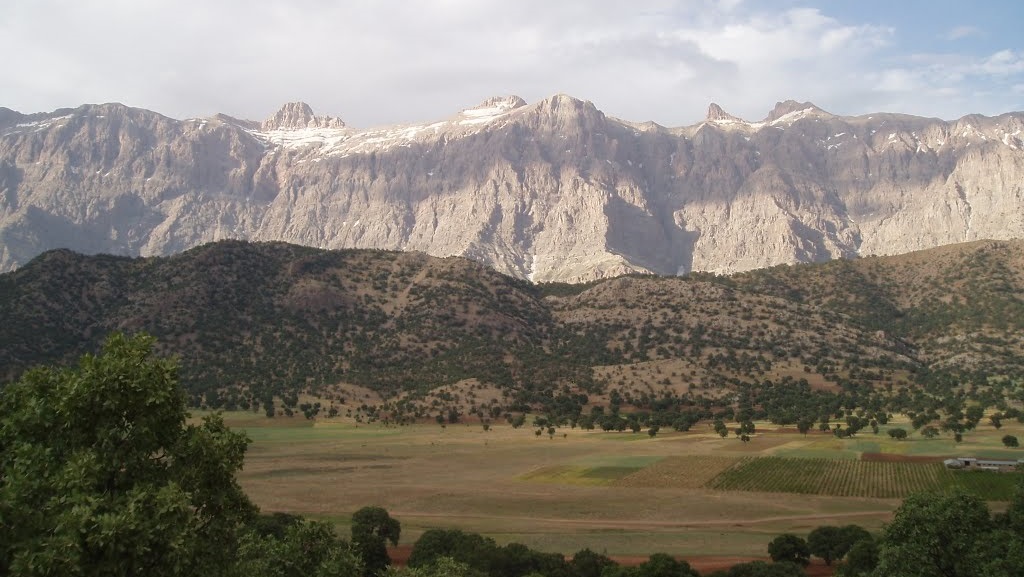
690 494
845 478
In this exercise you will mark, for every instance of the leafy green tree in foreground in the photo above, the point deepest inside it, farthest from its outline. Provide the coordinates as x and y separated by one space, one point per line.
439 567
305 549
657 565
952 536
586 563
832 543
101 475
761 569
861 559
790 548
372 529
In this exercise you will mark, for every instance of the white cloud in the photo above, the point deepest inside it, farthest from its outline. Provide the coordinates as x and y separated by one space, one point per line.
396 61
960 32
1003 63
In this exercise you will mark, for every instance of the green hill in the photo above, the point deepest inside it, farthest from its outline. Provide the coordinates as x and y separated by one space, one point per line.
250 321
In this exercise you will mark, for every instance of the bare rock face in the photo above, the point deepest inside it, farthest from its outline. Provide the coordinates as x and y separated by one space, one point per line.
549 191
717 114
299 115
789 107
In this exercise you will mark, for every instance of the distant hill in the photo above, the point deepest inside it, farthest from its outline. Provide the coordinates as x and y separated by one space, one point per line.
254 320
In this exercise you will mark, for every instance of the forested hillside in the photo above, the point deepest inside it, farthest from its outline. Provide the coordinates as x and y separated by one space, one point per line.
253 321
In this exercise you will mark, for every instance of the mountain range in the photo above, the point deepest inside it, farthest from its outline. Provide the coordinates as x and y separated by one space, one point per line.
550 191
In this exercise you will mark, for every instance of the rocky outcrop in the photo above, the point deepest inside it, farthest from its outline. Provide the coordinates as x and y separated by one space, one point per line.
553 190
299 115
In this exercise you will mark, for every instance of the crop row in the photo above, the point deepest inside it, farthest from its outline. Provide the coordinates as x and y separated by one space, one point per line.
846 478
686 472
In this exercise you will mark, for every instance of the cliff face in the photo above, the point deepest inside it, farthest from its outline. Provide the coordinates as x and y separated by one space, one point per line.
553 190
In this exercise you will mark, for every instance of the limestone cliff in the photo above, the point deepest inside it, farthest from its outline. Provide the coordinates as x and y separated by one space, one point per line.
553 190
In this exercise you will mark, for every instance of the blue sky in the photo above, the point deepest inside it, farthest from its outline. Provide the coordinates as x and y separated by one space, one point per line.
375 62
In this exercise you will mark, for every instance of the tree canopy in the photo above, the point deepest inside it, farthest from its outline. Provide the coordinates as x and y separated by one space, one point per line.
101 475
952 535
790 548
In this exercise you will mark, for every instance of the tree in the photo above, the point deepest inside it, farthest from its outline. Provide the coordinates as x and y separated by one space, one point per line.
653 430
721 429
372 529
586 563
663 565
832 543
898 434
101 475
304 549
761 569
804 425
861 559
1010 441
439 567
790 548
935 535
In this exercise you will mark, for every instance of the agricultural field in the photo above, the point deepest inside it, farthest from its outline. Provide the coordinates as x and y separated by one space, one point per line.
690 494
866 478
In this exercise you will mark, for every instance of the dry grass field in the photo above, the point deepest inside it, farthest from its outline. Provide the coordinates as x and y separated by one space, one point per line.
618 493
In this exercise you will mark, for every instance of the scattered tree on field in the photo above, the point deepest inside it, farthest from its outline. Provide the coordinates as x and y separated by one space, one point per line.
898 433
790 548
832 543
372 529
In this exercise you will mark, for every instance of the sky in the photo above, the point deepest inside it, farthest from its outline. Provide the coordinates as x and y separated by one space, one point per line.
377 62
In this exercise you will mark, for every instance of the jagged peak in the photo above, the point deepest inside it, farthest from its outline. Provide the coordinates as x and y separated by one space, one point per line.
503 103
789 107
717 114
299 115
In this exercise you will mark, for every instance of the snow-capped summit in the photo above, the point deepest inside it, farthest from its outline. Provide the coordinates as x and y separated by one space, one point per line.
490 109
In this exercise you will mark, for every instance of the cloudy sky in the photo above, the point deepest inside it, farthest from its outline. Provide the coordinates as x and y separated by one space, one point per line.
375 62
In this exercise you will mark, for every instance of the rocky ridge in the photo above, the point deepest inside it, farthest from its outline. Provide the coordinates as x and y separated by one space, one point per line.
549 191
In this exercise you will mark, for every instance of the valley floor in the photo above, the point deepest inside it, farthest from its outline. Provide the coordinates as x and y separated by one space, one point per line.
621 494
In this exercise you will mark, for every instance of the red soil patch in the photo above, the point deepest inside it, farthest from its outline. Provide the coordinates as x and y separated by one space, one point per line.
891 458
400 554
704 564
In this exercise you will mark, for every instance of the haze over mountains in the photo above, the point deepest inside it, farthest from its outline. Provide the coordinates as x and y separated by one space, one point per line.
549 191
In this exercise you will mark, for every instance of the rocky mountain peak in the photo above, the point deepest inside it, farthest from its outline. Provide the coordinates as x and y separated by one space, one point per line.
299 115
8 116
503 103
790 106
564 105
717 114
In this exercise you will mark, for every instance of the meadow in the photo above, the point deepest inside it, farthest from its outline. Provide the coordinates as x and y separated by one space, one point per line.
690 494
